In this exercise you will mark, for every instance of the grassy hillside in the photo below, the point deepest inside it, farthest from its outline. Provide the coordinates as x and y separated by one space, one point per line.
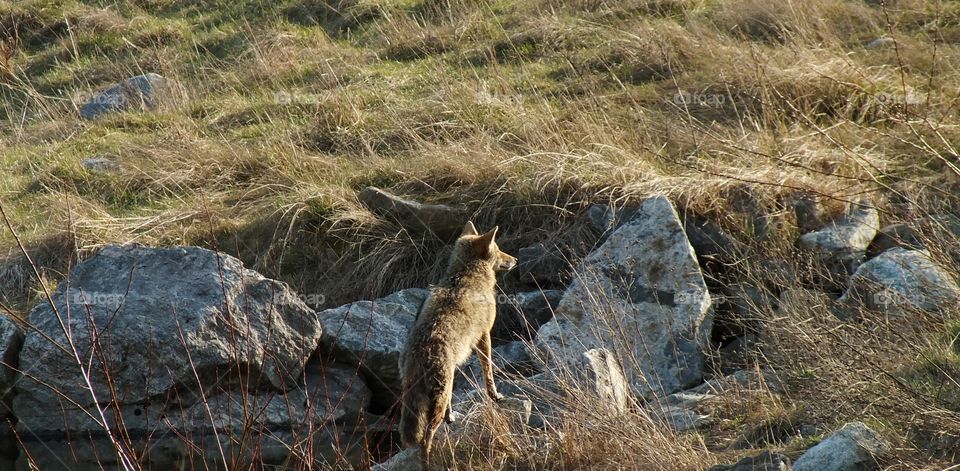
525 112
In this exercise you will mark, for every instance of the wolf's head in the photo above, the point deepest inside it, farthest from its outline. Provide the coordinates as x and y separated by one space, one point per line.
473 246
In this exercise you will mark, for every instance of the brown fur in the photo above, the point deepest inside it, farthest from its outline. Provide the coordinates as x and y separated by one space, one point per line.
454 321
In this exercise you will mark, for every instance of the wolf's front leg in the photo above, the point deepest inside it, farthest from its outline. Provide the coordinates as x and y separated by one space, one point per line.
448 417
484 352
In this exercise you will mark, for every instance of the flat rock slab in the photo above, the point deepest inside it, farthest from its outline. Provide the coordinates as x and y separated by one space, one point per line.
371 334
641 296
150 323
440 220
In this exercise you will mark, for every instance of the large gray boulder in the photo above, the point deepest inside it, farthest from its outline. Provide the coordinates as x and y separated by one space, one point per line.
313 423
855 447
642 296
900 280
441 220
143 92
371 334
143 322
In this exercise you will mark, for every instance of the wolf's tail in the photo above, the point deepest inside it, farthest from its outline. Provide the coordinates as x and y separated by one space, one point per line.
413 414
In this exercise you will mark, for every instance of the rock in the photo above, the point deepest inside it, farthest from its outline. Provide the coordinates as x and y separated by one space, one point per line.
895 235
679 419
542 266
371 334
600 218
809 212
750 211
513 359
522 314
852 232
766 461
839 247
252 448
881 43
444 222
687 400
898 281
600 373
946 224
709 241
740 380
854 447
516 410
329 392
143 92
739 351
11 341
751 306
640 295
748 300
101 165
604 218
147 323
407 460
546 395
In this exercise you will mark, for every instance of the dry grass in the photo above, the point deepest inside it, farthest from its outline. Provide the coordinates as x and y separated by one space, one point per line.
526 113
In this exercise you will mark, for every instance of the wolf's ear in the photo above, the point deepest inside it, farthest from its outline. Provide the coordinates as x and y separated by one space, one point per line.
486 240
469 229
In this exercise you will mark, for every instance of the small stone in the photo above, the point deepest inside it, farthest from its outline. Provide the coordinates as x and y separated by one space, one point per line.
854 447
881 43
839 247
766 461
517 410
709 240
600 218
852 232
144 92
406 460
680 419
895 235
101 165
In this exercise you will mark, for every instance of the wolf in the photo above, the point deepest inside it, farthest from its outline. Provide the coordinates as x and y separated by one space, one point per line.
454 321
